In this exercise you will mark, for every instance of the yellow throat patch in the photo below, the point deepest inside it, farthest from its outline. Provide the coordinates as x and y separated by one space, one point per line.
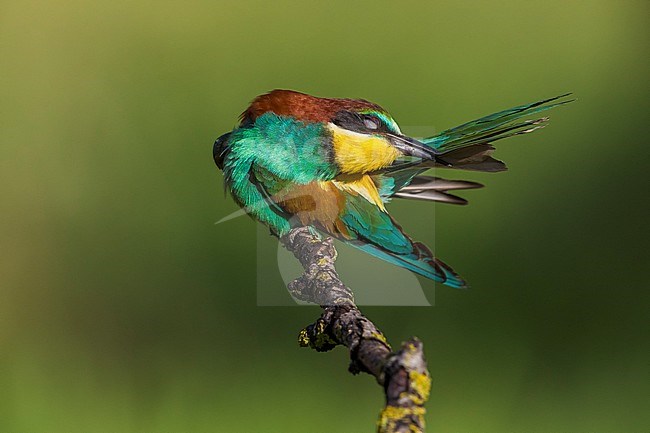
360 153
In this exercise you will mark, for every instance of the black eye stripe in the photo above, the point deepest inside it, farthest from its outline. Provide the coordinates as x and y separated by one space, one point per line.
358 122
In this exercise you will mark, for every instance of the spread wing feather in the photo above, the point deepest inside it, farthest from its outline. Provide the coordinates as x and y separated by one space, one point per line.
374 231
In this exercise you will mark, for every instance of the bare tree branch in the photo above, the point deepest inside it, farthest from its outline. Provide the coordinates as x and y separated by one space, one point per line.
403 374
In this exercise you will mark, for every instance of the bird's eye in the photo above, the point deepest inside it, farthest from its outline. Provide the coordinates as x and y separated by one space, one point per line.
370 123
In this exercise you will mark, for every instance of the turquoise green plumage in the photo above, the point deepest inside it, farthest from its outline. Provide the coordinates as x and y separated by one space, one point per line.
333 164
494 127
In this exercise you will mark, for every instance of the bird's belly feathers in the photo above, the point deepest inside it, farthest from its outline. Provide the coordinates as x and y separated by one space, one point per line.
314 203
321 203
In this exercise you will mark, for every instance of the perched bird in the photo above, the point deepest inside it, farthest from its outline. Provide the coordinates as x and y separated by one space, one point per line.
333 164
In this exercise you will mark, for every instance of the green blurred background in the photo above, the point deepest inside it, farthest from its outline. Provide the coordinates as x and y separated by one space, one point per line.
123 308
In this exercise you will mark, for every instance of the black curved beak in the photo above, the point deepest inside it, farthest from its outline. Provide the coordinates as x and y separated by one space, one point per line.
412 147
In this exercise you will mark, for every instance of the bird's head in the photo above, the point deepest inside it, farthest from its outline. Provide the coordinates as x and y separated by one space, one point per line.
363 135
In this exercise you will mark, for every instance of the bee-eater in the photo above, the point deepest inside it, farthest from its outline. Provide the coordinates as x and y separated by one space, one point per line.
333 164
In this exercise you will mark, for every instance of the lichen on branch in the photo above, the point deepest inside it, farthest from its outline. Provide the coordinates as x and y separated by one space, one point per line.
402 374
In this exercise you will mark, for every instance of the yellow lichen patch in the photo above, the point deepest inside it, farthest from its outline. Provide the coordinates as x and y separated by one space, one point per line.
411 348
324 277
361 153
303 338
391 415
322 339
421 384
379 336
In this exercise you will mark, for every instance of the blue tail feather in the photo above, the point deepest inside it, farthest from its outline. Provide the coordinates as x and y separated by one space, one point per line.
428 267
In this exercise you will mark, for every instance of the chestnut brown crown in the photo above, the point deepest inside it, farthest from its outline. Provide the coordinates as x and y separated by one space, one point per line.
302 106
